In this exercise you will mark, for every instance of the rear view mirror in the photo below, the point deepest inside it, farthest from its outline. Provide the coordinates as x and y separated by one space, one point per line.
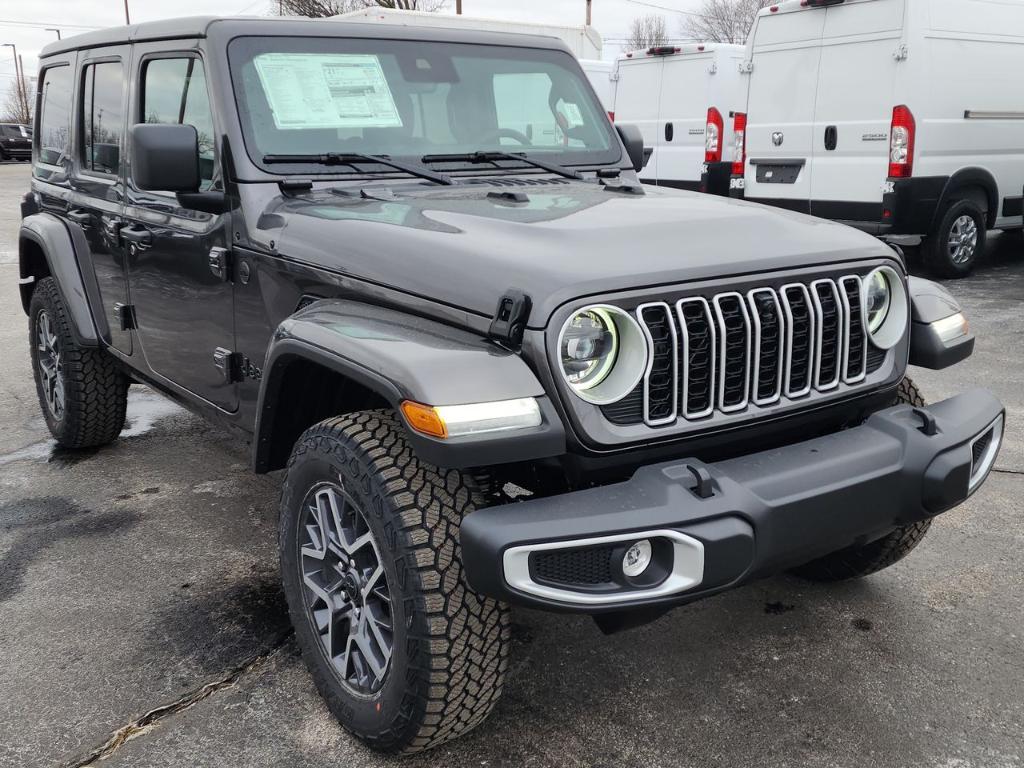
633 141
165 157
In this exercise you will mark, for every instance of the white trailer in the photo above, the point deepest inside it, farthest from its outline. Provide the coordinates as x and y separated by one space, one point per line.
904 118
682 98
584 42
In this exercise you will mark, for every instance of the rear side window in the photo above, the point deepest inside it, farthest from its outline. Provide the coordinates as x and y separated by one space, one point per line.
103 117
54 115
174 91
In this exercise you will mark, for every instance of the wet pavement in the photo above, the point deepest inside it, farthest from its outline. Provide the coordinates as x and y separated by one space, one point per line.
141 618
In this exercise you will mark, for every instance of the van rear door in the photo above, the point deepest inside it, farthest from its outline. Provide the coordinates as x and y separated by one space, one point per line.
780 107
857 88
685 98
637 96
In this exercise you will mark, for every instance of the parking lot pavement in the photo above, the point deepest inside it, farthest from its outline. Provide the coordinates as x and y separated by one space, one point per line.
14 176
139 609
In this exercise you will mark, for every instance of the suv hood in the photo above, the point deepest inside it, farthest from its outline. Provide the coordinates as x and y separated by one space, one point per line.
465 246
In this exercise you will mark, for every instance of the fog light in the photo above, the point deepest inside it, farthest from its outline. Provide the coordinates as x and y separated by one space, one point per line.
637 558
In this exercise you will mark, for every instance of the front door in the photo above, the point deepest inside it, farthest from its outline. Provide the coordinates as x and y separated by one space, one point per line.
96 201
183 308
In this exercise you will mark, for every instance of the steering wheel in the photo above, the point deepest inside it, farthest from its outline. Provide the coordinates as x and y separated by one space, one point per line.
507 133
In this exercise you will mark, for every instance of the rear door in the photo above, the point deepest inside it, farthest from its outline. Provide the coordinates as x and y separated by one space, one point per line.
637 96
685 98
781 105
856 94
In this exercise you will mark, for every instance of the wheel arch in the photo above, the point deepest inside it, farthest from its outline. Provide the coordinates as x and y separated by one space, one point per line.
47 248
359 356
966 179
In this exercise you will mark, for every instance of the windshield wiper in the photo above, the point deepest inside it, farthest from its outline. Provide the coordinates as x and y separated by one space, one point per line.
353 158
493 157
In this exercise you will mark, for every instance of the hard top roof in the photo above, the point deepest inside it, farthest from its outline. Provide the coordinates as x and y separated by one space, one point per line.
199 26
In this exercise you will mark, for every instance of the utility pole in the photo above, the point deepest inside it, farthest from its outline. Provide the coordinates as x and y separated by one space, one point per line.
127 18
458 7
54 29
24 90
589 3
19 85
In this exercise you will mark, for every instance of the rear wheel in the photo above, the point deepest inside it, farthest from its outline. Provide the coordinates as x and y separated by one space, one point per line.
404 653
82 392
958 241
858 561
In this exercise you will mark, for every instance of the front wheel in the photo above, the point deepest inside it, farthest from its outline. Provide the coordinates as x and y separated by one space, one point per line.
958 241
404 653
858 561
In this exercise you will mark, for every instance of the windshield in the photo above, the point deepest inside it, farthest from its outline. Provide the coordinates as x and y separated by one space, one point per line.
410 99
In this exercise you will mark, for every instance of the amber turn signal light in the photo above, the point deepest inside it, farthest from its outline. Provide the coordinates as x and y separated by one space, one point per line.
424 419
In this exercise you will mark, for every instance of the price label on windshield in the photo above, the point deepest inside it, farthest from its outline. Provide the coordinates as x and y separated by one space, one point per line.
312 90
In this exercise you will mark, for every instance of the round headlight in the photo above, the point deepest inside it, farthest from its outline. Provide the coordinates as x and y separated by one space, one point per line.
602 353
590 343
886 309
878 295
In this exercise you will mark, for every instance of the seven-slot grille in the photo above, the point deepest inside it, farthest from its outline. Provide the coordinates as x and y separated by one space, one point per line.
729 352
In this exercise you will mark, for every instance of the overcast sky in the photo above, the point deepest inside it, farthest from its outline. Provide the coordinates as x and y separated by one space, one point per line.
23 23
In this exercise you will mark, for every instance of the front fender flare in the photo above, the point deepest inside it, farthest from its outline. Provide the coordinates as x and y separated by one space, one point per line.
60 249
405 357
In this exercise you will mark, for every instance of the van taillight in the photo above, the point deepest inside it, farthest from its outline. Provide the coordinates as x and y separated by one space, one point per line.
901 143
713 137
739 152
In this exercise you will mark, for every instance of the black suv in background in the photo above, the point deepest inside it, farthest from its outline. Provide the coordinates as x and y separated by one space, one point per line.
15 141
416 271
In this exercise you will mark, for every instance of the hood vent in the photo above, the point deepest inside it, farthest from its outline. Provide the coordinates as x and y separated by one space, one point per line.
524 182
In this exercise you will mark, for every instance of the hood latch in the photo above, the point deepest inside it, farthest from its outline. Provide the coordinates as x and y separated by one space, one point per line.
509 322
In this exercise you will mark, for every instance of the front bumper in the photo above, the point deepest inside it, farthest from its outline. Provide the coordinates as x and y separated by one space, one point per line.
716 526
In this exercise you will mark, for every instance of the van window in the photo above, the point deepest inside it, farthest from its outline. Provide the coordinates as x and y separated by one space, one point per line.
102 117
174 92
54 115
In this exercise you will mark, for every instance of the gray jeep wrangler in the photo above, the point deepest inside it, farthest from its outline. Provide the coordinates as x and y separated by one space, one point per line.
415 269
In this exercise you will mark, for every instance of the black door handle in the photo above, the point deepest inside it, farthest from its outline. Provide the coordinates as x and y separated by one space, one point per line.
670 131
80 217
831 138
138 236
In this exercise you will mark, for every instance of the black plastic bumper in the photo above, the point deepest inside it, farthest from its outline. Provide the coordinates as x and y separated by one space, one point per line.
766 512
715 178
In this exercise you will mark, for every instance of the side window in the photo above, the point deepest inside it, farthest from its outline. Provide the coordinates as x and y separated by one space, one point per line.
54 116
174 91
102 117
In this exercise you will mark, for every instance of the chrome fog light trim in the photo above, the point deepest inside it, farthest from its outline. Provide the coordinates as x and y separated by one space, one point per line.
981 465
687 569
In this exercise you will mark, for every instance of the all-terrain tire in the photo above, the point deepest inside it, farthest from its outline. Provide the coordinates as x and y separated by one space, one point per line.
858 561
95 389
450 645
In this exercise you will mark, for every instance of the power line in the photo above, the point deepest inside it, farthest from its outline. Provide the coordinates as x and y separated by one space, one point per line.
665 8
42 24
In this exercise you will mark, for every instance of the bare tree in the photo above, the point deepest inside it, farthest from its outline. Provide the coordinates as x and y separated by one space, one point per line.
723 21
646 31
319 8
14 109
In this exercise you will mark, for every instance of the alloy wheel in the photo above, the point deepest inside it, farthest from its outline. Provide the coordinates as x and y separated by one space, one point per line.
51 365
963 239
347 599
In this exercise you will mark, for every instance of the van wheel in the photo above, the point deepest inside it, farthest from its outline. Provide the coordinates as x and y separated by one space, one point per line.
82 392
953 249
404 653
858 561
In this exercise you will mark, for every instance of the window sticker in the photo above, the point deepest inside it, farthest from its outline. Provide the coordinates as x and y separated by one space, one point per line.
312 90
572 113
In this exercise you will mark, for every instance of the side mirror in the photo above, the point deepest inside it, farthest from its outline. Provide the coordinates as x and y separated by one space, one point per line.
165 157
633 141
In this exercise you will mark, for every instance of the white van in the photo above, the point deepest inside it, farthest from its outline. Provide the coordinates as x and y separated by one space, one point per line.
682 99
599 73
904 118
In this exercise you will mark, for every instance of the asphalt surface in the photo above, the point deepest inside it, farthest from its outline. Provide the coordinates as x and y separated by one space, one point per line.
140 609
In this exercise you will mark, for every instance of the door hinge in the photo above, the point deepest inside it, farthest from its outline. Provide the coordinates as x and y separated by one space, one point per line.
509 322
746 67
220 264
125 314
901 53
229 364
